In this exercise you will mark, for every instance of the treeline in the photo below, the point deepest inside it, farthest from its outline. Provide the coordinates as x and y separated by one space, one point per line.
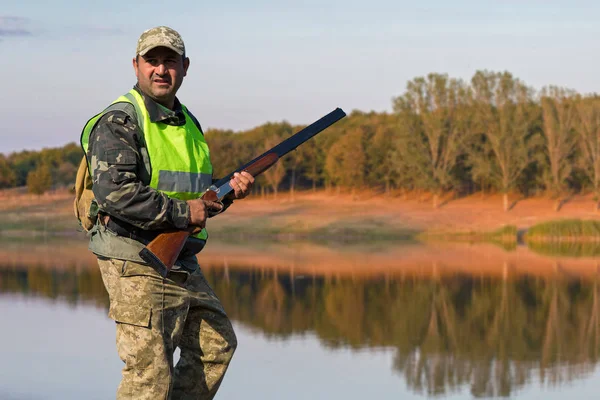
40 170
445 135
493 133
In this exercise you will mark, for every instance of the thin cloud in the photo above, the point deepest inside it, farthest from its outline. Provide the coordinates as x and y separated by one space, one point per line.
14 32
105 30
13 26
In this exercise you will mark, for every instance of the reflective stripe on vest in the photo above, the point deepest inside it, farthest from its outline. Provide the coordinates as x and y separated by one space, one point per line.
173 181
179 155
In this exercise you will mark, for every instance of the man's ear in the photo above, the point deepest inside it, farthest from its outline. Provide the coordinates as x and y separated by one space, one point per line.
186 65
135 66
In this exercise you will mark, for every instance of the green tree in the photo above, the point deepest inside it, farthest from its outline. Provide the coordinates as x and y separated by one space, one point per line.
345 163
293 162
313 159
274 175
589 142
71 153
23 163
8 178
39 180
64 174
505 113
227 151
559 112
382 157
439 127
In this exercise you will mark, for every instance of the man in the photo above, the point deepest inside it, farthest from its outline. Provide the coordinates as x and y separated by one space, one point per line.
150 164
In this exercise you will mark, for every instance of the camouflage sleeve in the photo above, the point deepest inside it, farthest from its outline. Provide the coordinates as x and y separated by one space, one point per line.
115 161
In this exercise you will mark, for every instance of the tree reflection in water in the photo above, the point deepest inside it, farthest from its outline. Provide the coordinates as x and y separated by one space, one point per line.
492 335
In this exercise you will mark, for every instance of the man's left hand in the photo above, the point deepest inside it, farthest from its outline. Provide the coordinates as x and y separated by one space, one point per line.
241 184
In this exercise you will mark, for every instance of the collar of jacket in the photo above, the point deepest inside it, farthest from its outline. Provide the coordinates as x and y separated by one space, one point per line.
160 113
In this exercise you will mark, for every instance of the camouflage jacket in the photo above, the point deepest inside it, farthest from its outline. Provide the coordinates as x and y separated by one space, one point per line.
120 181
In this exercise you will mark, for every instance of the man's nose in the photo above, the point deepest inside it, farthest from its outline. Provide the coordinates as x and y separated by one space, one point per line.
161 69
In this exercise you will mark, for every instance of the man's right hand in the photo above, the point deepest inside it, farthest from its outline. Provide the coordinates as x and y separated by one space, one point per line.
199 211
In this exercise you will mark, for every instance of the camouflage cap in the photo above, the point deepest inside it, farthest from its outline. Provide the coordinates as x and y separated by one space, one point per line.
160 36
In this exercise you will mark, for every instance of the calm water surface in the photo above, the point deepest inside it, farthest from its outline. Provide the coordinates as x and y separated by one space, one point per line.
449 334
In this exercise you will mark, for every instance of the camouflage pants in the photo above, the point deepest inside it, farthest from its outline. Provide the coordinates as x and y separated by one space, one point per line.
154 316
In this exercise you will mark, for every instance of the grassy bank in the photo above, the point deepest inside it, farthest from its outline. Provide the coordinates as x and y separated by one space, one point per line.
50 217
567 230
355 230
506 236
559 237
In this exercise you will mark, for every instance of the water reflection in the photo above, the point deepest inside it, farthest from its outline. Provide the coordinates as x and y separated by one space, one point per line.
567 248
491 333
71 285
487 333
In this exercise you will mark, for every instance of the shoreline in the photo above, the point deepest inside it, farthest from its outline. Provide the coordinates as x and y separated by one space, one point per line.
325 215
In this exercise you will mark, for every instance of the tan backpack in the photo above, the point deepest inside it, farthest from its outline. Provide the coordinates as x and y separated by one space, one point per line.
85 206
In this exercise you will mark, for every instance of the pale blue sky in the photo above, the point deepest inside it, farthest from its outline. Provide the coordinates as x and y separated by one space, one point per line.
257 61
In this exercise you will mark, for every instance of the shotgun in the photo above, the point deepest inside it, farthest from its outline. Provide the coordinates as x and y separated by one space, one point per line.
162 252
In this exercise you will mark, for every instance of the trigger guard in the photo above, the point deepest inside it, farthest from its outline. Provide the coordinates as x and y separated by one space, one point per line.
213 213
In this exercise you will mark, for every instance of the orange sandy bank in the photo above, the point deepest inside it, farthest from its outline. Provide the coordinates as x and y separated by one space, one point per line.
309 212
472 213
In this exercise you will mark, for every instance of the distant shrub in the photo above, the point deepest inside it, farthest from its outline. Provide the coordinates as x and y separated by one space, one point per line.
39 180
565 229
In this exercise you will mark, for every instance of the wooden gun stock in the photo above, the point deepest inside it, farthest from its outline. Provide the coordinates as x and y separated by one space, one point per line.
162 252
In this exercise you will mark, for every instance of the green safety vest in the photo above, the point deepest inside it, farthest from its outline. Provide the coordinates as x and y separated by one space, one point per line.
179 155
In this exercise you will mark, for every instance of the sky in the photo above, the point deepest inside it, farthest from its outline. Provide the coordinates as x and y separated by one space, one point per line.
261 61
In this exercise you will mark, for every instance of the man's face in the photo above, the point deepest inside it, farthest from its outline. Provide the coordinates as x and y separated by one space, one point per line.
160 73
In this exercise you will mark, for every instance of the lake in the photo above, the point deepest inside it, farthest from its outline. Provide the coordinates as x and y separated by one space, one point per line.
410 321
